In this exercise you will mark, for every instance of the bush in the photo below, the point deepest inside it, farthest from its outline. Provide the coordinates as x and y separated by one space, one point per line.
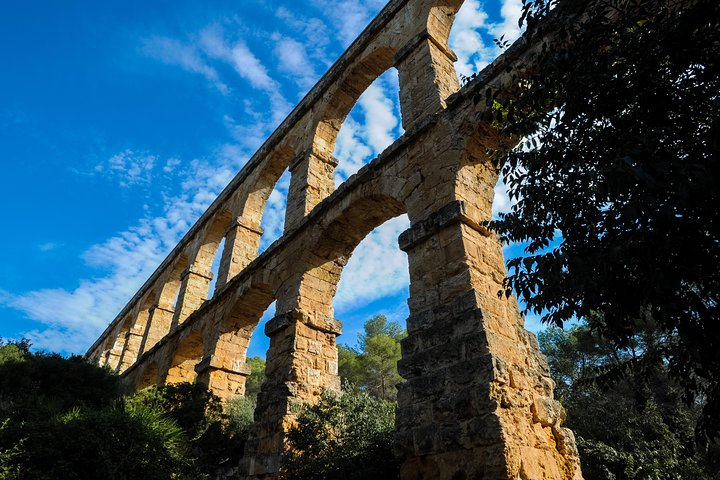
347 437
213 438
38 385
111 443
62 418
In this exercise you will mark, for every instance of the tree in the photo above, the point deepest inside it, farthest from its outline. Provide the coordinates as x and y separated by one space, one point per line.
634 428
347 437
256 378
63 418
617 179
373 365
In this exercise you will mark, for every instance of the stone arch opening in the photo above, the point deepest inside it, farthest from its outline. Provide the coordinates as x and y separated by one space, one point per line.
337 244
226 370
374 281
215 269
148 377
372 124
187 355
211 243
346 94
273 211
170 294
136 334
118 349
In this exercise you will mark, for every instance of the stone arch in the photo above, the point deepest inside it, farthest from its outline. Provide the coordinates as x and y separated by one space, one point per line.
336 244
136 334
196 279
344 96
313 171
224 369
208 246
441 18
162 308
243 236
188 353
265 181
119 344
148 376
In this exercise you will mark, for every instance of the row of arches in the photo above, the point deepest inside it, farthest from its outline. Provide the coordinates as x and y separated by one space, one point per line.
182 284
476 392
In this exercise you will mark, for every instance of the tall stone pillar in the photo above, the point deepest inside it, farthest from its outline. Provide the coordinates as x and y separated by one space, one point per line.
312 180
301 364
427 77
242 240
478 397
193 293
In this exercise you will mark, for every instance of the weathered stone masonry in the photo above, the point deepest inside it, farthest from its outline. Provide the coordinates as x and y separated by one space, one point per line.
477 398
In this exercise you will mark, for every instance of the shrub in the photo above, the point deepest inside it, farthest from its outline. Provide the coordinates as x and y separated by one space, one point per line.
342 437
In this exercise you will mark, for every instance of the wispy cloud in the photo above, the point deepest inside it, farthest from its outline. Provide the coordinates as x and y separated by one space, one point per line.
356 15
313 31
248 66
128 167
472 34
184 55
294 62
73 318
49 246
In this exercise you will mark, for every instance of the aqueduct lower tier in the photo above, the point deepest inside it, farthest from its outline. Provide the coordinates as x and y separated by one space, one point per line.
477 398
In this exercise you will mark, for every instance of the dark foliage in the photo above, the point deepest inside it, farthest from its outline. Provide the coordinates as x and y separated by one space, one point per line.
36 385
343 438
65 419
617 181
634 428
212 442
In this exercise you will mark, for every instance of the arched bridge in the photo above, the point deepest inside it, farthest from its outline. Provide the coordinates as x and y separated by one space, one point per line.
477 398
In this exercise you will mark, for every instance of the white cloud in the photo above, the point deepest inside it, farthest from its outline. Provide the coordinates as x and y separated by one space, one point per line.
377 268
471 29
186 56
75 318
170 165
502 201
380 119
294 62
129 168
509 29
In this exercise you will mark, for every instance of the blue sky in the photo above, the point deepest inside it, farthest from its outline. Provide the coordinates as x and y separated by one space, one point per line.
121 121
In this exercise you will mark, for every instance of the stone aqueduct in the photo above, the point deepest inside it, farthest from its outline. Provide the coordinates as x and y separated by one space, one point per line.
477 398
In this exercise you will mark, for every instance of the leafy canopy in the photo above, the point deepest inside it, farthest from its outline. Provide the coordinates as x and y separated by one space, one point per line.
634 428
372 366
343 437
617 181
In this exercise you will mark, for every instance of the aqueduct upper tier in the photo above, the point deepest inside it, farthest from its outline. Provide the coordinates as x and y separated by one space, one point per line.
477 398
